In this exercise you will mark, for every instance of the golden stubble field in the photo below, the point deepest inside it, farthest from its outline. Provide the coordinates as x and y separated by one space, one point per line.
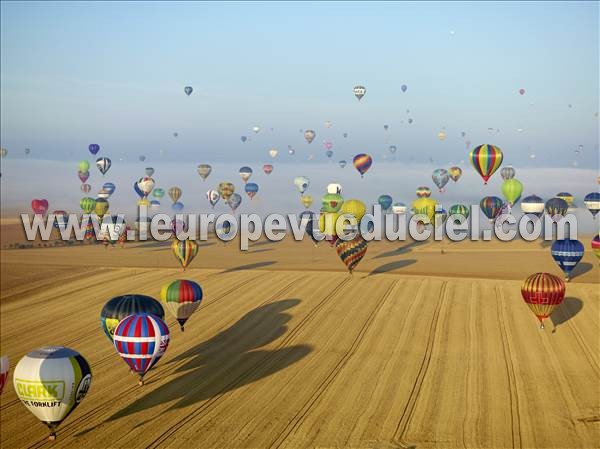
416 349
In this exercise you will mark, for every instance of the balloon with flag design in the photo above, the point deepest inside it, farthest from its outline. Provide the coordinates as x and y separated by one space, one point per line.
141 340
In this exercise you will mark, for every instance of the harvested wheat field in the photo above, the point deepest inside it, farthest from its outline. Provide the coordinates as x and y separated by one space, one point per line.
415 349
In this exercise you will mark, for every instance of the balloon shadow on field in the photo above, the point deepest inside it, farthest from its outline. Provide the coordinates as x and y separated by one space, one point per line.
567 310
581 268
250 266
402 250
392 266
227 361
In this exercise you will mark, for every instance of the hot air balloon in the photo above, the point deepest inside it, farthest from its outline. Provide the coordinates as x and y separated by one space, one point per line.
440 216
85 188
385 127
331 202
256 129
595 244
223 230
158 192
245 173
301 183
149 171
61 219
84 166
342 164
507 172
345 135
309 135
362 162
522 91
83 175
423 192
103 194
181 298
175 193
306 200
142 158
385 201
491 206
154 204
175 135
184 251
459 210
327 144
532 205
3 152
87 205
204 170
273 152
410 121
243 138
512 189
40 207
441 135
226 189
567 253
403 88
234 201
291 151
267 168
94 148
145 185
359 91
354 207
101 207
51 382
213 197
352 251
188 90
137 190
327 123
486 159
392 149
556 208
426 207
251 189
141 340
440 178
592 202
566 196
329 153
176 206
119 307
177 226
4 366
455 173
103 164
543 292
399 208
334 188
109 187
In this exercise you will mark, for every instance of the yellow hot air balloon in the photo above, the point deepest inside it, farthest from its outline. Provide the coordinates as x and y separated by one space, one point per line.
101 207
424 206
175 193
226 189
306 200
354 207
441 135
327 223
184 251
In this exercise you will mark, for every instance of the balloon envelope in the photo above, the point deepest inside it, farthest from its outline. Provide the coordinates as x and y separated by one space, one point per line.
120 307
567 253
181 298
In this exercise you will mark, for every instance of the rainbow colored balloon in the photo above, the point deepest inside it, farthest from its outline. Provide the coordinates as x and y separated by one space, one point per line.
362 162
184 251
352 251
181 298
486 159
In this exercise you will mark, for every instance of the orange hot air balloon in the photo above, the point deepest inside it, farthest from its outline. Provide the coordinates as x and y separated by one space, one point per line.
543 292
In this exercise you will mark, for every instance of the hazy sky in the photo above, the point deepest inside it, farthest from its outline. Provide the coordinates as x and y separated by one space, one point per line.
113 73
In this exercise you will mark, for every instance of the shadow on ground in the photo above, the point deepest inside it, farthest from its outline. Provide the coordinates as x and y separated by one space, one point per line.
567 310
402 250
581 269
392 266
250 266
229 360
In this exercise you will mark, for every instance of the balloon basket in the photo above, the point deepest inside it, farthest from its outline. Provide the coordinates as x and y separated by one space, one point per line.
181 327
141 382
52 436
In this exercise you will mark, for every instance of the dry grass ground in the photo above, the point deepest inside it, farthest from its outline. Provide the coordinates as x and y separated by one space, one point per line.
416 349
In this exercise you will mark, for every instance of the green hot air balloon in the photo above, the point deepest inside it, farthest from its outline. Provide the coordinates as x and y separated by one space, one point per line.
512 189
87 205
83 166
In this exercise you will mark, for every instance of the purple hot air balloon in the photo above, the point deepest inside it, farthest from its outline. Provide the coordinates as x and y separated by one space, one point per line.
94 148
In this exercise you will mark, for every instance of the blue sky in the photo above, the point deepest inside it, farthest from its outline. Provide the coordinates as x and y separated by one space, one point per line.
113 74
